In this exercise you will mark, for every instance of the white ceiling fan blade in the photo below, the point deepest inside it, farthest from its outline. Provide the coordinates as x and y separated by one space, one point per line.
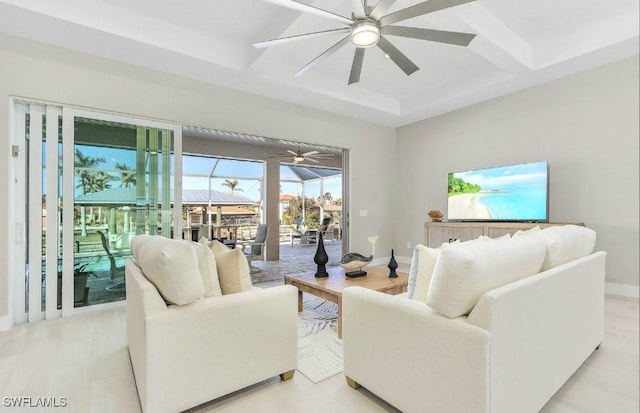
358 9
311 159
440 36
356 66
292 152
291 39
381 8
419 9
322 56
296 5
310 153
397 56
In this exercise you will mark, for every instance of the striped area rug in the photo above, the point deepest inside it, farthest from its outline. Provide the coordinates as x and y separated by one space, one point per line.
319 348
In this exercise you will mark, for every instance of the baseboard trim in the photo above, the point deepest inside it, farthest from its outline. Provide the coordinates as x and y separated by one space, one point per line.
624 290
4 323
379 261
403 260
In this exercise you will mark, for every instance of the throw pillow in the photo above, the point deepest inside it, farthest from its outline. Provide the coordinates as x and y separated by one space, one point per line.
566 243
530 231
464 273
487 238
448 244
217 247
135 244
208 269
233 269
172 266
422 264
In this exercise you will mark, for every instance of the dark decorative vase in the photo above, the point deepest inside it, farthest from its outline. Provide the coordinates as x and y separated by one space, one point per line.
392 266
321 258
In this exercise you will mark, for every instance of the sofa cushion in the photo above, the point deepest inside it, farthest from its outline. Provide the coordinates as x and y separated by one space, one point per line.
172 266
233 268
422 264
566 243
208 269
464 272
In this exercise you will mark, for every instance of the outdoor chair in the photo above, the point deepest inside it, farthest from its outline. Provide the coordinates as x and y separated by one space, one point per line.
325 222
328 230
80 289
256 246
329 233
304 235
115 272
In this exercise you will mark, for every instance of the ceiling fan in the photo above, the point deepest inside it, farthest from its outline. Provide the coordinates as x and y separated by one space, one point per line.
366 28
299 156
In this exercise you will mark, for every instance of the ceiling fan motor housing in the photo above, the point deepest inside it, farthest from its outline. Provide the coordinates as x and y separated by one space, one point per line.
365 32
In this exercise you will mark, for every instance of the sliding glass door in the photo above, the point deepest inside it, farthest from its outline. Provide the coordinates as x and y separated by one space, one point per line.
90 182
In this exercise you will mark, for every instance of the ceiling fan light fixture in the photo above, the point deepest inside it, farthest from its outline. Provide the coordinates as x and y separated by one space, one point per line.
297 159
365 33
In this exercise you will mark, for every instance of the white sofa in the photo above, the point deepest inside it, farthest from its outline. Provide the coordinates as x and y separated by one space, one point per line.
509 351
212 343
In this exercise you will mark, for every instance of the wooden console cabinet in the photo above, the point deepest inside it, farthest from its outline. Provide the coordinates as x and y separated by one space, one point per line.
436 233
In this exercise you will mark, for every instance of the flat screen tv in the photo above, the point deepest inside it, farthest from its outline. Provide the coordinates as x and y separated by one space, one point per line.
513 193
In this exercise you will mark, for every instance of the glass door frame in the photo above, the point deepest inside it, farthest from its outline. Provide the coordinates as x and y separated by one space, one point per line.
69 115
27 246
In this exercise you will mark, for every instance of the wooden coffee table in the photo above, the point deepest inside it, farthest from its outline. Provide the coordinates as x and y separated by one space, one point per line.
330 288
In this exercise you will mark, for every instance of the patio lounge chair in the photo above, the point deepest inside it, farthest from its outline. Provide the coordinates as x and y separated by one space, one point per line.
257 246
115 272
304 235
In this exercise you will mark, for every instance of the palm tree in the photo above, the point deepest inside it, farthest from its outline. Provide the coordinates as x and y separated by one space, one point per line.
232 185
327 198
84 166
129 178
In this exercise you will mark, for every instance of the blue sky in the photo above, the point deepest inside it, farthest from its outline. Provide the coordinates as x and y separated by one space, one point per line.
505 177
247 173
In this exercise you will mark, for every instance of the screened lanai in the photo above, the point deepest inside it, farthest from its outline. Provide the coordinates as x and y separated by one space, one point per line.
319 186
267 176
316 183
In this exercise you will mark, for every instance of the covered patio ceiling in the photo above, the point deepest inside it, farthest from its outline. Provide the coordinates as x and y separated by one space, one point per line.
309 173
127 196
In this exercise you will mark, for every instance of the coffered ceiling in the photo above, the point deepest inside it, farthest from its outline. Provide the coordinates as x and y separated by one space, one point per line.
519 43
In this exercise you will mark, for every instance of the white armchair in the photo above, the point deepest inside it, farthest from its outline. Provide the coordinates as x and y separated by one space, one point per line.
186 355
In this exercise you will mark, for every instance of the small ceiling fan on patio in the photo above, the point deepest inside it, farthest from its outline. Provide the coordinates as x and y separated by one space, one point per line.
366 27
299 156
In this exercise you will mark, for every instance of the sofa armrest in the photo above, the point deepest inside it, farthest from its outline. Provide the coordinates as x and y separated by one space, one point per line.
217 345
141 292
143 299
413 357
545 325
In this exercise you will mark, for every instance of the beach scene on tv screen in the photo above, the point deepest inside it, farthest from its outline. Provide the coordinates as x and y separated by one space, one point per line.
515 192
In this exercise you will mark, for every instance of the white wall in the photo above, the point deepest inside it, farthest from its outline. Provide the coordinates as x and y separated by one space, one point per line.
585 125
37 71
